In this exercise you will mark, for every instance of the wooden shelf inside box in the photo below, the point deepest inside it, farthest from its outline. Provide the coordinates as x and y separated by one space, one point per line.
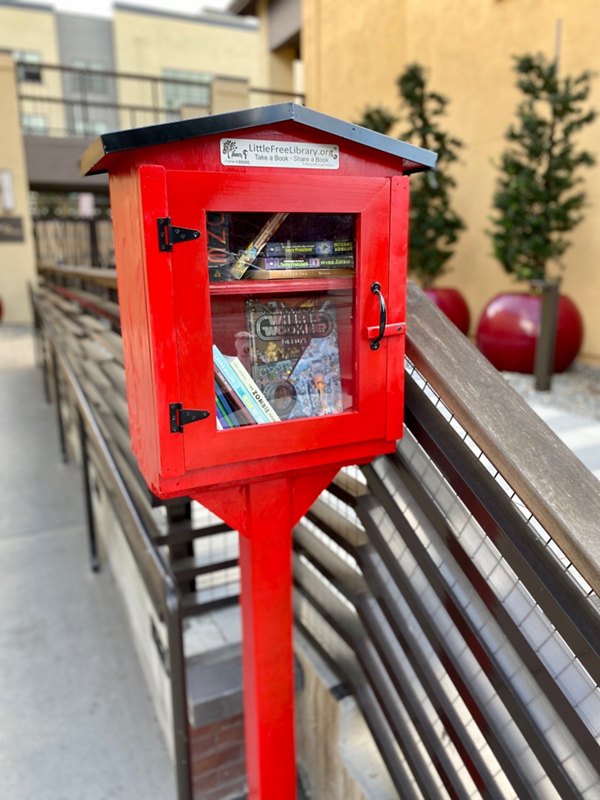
286 286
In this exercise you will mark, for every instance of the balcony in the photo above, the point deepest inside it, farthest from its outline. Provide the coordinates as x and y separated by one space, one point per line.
63 108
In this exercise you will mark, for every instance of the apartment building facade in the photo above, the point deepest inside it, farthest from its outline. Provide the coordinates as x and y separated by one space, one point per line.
68 77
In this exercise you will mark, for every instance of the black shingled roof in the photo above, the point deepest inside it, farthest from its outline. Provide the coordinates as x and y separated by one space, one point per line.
415 158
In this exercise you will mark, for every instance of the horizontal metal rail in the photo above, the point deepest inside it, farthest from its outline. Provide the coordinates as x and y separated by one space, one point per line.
139 76
93 275
82 96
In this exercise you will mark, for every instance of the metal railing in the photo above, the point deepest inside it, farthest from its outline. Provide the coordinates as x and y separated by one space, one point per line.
72 240
72 101
158 578
453 586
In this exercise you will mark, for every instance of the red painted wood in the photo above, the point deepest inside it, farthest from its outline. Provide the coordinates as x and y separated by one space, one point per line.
393 329
205 446
264 513
266 603
136 328
395 347
288 286
203 155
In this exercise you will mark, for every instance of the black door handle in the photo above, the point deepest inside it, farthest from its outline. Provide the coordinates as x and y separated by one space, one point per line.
376 289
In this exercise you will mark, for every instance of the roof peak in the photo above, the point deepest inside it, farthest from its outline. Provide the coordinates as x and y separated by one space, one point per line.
94 159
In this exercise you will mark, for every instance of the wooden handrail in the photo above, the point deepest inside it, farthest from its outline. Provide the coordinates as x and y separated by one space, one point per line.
553 483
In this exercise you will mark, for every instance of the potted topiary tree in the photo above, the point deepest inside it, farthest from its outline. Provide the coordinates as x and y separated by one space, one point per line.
434 225
538 201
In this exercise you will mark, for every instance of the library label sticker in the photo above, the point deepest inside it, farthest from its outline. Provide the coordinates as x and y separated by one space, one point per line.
265 153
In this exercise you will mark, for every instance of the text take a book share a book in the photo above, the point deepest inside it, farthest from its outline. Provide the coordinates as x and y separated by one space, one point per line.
294 354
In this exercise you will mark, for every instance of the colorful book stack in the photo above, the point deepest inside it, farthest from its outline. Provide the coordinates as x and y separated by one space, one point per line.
239 401
319 259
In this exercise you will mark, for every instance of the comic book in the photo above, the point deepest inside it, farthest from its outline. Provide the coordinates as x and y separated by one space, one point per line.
294 354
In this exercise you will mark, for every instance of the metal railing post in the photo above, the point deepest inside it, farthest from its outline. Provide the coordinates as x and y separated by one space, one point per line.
59 419
181 735
87 493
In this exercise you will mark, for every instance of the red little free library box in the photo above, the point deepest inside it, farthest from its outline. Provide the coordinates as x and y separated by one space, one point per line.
261 263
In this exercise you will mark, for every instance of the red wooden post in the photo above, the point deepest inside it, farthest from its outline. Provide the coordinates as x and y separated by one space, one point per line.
264 512
266 600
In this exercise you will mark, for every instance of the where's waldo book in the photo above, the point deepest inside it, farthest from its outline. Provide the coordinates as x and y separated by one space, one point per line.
294 354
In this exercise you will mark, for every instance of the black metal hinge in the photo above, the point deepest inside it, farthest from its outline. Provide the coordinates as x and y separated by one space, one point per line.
180 416
168 234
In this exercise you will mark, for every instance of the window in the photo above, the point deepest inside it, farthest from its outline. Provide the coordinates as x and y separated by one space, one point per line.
28 66
282 334
34 123
184 88
91 127
83 82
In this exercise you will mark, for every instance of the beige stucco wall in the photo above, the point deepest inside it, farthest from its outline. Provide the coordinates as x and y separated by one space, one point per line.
34 30
353 53
148 44
26 28
29 30
17 266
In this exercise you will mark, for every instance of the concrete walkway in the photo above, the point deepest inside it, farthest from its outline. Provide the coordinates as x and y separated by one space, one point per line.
571 408
580 434
76 720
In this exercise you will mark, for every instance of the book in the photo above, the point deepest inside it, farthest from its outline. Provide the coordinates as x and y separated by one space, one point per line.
218 226
257 274
255 392
309 262
323 247
247 256
223 404
221 416
231 368
240 413
294 355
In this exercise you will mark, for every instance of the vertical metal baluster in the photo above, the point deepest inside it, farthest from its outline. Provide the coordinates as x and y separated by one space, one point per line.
87 493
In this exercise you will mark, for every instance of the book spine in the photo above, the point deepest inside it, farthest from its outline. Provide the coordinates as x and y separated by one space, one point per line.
225 407
221 414
322 247
281 274
310 262
240 413
237 386
256 393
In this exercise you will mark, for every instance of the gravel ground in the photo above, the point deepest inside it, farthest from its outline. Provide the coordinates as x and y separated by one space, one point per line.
577 390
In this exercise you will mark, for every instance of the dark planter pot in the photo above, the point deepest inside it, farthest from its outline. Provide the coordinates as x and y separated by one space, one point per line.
508 329
453 305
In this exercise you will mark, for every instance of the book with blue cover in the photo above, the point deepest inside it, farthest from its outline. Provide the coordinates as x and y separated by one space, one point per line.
243 387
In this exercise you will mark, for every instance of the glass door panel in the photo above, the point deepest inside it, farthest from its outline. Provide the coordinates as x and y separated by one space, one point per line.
282 305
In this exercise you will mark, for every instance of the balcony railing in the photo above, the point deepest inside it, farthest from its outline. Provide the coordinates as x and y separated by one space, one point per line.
57 100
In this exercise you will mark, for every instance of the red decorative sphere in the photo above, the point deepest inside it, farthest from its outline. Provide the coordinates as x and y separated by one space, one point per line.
453 305
508 329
